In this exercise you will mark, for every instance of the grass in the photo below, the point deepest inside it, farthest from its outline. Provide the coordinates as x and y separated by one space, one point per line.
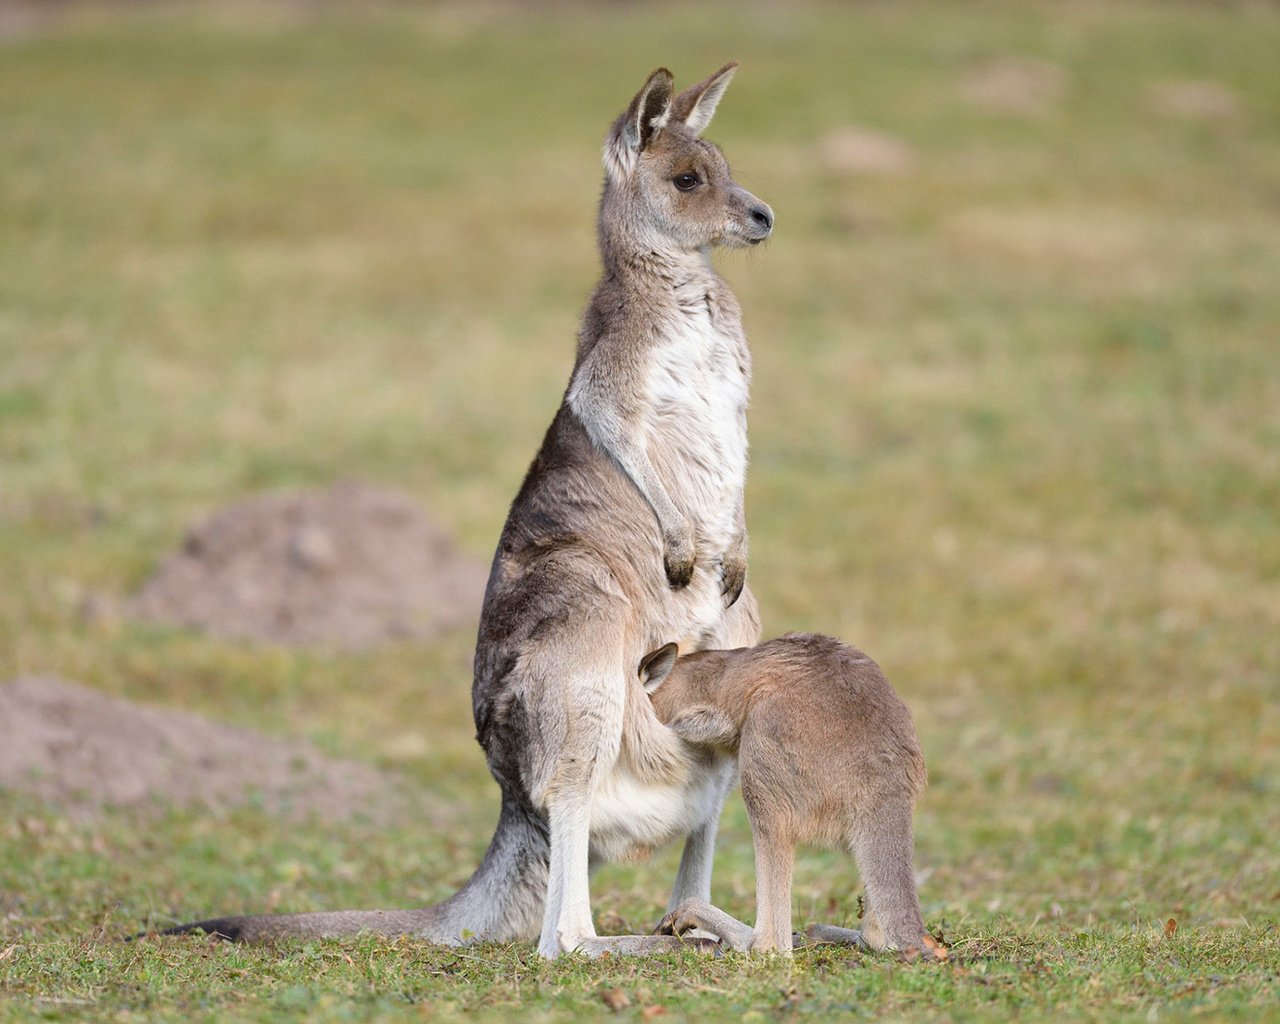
1015 428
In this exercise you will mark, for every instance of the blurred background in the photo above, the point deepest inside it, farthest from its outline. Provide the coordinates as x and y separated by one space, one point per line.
1015 420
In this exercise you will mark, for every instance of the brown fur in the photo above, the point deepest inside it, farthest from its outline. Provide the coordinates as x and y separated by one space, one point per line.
827 754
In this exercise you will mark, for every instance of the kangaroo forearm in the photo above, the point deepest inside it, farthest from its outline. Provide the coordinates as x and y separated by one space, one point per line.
616 434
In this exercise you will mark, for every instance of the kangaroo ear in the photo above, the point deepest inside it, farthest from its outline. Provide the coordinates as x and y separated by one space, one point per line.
696 106
702 723
656 666
644 118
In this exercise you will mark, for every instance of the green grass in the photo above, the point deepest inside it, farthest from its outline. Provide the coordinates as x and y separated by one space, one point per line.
1015 428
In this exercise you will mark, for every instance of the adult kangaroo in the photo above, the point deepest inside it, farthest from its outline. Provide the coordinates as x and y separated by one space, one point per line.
627 533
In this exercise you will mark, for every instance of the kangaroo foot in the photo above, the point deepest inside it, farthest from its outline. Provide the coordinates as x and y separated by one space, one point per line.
929 947
643 945
699 914
834 935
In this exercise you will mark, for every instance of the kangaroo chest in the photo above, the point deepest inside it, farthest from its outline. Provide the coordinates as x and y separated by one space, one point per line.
630 816
696 430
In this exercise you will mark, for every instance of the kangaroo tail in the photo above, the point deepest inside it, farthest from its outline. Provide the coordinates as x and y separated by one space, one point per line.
502 901
325 924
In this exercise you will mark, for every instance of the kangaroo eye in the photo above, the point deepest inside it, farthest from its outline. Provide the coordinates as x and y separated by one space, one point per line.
685 182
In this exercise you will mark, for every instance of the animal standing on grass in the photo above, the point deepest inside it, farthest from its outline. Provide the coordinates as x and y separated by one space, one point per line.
828 754
628 532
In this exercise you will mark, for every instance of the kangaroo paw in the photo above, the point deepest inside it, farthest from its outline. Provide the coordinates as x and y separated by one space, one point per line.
679 570
733 577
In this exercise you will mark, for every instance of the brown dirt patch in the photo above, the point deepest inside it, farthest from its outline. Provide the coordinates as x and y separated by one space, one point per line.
85 751
1106 247
1014 85
1194 100
856 150
349 567
20 18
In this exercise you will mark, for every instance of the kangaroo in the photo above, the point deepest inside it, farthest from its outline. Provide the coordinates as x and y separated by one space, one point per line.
627 531
827 753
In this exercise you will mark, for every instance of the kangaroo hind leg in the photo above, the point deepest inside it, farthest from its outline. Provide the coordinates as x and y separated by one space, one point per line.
574 686
883 845
775 864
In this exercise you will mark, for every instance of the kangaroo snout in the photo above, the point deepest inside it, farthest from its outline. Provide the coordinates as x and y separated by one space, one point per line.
762 217
750 219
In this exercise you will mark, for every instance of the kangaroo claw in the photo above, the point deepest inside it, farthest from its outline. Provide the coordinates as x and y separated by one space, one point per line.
679 573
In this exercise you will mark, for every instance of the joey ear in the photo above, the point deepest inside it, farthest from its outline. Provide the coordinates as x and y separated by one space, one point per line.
696 106
644 118
656 666
702 723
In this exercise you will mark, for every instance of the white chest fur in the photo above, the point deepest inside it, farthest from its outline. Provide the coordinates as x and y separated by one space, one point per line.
696 425
629 816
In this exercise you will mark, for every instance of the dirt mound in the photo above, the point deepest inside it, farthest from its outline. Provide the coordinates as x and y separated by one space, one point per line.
1196 100
84 750
857 150
348 567
1014 85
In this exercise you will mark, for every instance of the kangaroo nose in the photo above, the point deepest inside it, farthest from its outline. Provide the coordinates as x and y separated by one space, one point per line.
763 216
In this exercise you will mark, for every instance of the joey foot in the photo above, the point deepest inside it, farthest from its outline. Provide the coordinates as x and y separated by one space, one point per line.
932 949
928 947
830 934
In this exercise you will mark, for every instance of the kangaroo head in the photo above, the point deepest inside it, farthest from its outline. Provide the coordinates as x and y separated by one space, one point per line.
683 695
667 189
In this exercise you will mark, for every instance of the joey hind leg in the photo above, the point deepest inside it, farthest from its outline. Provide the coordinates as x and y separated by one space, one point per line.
883 846
775 865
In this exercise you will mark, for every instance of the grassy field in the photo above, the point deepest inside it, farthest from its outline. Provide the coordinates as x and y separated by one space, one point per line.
1015 431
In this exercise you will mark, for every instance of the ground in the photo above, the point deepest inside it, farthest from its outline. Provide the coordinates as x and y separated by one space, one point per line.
1015 432
348 566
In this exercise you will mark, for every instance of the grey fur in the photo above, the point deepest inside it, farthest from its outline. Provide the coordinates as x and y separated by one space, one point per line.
827 753
628 530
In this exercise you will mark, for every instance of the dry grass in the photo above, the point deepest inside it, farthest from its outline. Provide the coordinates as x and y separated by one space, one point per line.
1016 431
